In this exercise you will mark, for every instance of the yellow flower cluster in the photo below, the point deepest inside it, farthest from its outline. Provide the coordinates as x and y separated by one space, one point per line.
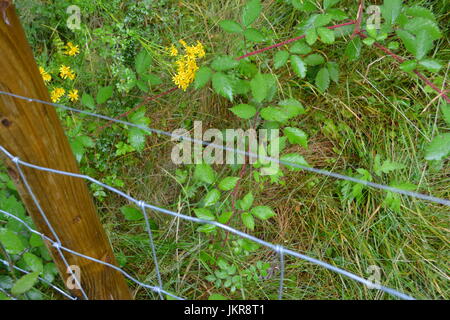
57 94
45 75
65 72
187 63
71 49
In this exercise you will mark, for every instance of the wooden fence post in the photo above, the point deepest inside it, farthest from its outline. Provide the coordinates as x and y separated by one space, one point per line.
32 132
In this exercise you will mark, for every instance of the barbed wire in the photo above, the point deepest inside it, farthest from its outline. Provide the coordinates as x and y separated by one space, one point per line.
277 248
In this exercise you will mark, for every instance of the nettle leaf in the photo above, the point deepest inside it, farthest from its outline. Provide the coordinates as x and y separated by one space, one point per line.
439 148
231 26
263 212
204 173
326 35
11 241
228 183
296 136
431 65
246 202
88 100
131 213
35 263
143 62
353 49
224 63
248 220
211 198
254 35
323 79
202 77
314 59
280 59
223 85
244 111
104 94
299 66
25 283
204 214
295 159
251 12
259 87
391 10
300 47
419 24
446 112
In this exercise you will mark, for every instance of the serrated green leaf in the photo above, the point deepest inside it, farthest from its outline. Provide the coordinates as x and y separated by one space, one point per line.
314 59
326 35
431 65
223 85
143 62
263 212
244 111
353 49
131 213
280 59
211 198
323 79
330 3
311 36
251 12
254 35
207 228
296 136
294 107
300 47
88 100
439 148
420 24
225 217
137 138
391 10
11 241
33 262
409 41
322 20
228 183
246 202
423 44
417 11
224 63
275 114
216 296
204 173
104 94
248 220
333 69
408 66
205 214
295 159
231 26
25 283
299 66
259 87
202 77
446 112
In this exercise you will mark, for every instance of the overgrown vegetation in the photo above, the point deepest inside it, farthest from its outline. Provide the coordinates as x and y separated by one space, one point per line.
339 102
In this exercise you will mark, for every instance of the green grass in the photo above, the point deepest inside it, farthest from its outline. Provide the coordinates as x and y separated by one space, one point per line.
375 109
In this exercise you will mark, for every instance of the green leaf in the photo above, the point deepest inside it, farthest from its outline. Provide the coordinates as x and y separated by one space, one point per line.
296 136
430 65
311 36
202 77
330 3
388 166
439 148
11 241
211 198
224 63
333 69
228 183
408 40
314 59
231 26
207 228
423 44
246 202
408 66
295 159
248 220
204 173
326 35
25 283
446 112
244 111
88 100
131 213
254 35
353 49
225 217
216 296
300 47
369 41
223 85
251 12
323 79
34 262
136 138
294 107
275 114
299 66
417 11
263 212
419 24
204 214
259 87
391 10
143 62
104 94
322 20
280 59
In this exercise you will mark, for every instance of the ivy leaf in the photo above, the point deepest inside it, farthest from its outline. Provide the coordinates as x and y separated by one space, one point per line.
391 10
431 65
143 62
251 12
314 59
223 85
244 111
259 87
104 94
212 197
11 241
248 220
295 159
224 63
34 262
326 35
263 212
299 66
246 202
131 213
296 136
25 283
228 183
231 26
88 101
280 59
439 148
204 214
323 79
204 173
202 77
254 35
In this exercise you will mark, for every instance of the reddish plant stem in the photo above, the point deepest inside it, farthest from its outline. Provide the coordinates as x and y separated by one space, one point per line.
359 19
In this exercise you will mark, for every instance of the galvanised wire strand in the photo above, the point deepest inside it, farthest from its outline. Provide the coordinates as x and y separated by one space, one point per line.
59 246
6 293
276 248
250 155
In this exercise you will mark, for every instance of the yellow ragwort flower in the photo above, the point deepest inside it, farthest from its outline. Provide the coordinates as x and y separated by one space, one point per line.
65 72
173 51
72 50
56 94
45 75
187 64
73 95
